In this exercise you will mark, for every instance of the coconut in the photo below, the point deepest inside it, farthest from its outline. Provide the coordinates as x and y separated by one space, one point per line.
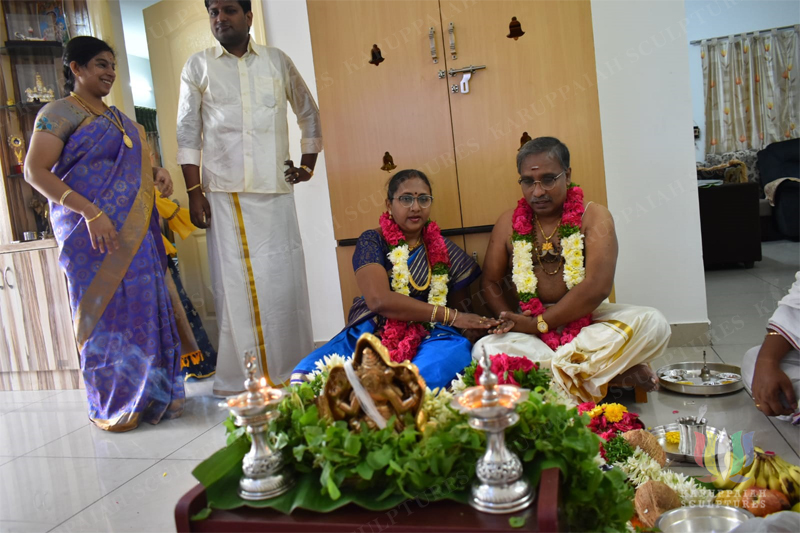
652 499
639 438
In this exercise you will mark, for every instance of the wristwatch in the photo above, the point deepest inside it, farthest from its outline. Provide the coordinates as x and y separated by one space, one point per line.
541 325
310 171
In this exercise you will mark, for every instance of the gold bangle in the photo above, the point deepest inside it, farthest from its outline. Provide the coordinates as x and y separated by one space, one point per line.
190 189
454 317
310 171
94 217
433 315
64 196
774 333
446 315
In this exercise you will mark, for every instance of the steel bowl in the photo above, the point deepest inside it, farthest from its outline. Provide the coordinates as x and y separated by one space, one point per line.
706 518
672 450
692 372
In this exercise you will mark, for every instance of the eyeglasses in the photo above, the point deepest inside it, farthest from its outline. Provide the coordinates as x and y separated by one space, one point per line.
546 183
424 200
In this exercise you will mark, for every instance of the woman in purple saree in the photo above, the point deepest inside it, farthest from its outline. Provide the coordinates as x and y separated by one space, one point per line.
93 163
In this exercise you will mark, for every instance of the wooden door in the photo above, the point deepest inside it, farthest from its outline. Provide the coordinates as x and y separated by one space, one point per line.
544 83
175 31
6 319
399 106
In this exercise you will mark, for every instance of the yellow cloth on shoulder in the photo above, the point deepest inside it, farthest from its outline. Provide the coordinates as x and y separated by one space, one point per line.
177 219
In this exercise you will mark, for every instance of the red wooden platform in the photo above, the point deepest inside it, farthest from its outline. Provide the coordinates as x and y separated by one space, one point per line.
418 515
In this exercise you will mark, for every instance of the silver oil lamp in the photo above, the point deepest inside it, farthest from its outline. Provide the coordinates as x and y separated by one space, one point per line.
264 476
500 487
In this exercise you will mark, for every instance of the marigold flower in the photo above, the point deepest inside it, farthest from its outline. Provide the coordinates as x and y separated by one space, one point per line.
713 142
758 78
785 74
727 111
742 138
766 47
769 105
614 412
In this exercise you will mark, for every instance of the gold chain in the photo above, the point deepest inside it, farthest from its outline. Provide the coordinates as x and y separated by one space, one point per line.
115 120
553 273
427 283
546 238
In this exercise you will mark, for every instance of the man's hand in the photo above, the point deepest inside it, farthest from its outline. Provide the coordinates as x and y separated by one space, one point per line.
163 181
295 174
199 209
770 386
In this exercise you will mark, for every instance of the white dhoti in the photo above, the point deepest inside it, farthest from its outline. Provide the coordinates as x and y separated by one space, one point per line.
259 283
790 365
620 337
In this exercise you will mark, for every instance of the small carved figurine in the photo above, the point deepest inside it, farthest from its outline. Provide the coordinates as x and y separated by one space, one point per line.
515 29
388 162
377 59
522 140
393 388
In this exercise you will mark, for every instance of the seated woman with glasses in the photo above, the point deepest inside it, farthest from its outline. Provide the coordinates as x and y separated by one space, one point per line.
413 282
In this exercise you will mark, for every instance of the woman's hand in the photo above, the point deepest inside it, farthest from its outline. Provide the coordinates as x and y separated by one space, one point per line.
473 321
514 321
102 233
772 389
163 181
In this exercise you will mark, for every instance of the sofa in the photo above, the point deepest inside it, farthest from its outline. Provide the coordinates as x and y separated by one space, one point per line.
775 162
729 224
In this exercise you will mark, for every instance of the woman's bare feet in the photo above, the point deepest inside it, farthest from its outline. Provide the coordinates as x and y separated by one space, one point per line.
637 376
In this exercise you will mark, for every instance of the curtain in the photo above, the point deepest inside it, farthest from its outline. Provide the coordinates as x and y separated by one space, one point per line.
751 90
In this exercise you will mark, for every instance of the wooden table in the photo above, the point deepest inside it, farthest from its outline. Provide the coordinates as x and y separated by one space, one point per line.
418 515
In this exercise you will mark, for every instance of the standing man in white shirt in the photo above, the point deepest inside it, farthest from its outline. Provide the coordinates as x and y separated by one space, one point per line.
232 110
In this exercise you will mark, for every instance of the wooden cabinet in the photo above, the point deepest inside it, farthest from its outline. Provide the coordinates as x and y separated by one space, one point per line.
544 83
37 347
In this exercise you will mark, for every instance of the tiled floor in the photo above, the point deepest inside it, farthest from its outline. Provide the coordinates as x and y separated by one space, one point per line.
59 473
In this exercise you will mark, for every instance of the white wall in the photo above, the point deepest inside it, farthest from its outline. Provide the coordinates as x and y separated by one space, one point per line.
720 18
646 119
287 29
141 80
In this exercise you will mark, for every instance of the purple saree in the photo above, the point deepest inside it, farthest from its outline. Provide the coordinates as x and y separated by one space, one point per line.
121 309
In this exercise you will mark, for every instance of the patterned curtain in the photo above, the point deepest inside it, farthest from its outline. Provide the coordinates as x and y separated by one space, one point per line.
147 118
751 90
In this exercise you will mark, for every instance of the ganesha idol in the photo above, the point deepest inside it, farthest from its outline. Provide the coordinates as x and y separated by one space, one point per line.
371 388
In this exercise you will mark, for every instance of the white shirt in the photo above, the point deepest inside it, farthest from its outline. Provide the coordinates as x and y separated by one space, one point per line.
233 111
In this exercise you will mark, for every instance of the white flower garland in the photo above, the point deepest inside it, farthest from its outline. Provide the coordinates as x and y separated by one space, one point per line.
642 468
522 263
435 403
401 275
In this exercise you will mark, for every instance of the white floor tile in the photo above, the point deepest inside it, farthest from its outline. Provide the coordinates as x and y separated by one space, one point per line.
790 433
146 503
25 396
11 406
5 459
50 490
732 354
26 429
761 304
737 329
146 441
203 446
7 526
735 281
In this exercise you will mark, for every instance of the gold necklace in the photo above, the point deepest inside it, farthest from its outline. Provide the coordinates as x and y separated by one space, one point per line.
115 120
553 273
546 245
427 283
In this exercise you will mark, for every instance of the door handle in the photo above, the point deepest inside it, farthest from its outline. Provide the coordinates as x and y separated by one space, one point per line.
5 276
452 33
431 34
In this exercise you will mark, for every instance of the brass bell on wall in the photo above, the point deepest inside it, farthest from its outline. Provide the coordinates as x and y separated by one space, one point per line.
515 29
377 58
522 140
388 162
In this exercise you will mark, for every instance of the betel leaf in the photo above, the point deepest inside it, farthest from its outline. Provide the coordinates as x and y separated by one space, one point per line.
212 469
365 471
516 521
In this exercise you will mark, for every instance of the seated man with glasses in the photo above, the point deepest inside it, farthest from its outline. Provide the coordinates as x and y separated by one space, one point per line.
560 255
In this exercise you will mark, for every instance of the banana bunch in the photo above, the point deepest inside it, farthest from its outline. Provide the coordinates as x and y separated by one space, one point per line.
771 472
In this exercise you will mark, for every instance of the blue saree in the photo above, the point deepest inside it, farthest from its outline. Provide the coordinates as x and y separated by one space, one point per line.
121 309
442 354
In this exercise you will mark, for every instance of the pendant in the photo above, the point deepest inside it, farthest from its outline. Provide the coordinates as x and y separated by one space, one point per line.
127 140
547 246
